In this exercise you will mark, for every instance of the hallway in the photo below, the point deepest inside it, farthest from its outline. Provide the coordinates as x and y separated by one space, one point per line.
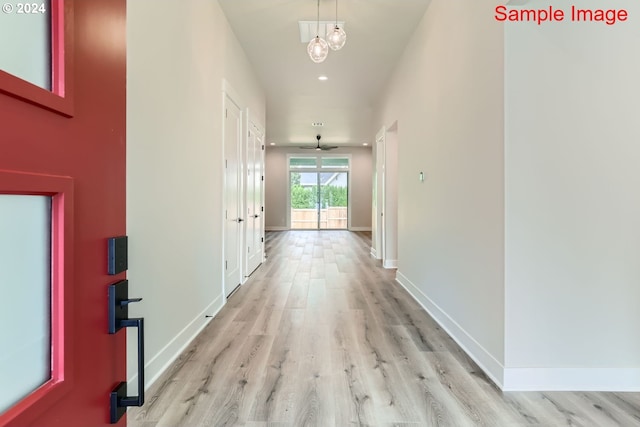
321 335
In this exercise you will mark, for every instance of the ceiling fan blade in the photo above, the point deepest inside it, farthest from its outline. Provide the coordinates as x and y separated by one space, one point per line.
319 147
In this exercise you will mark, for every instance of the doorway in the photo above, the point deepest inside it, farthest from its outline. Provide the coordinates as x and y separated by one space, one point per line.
385 209
319 193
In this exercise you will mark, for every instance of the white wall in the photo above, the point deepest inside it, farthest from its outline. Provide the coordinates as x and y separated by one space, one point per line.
572 154
447 97
177 55
276 184
523 240
361 187
275 189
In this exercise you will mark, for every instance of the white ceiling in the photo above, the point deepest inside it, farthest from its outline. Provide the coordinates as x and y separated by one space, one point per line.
377 33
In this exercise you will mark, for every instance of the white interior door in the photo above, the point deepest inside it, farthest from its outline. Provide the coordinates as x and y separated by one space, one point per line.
375 232
254 201
261 137
390 198
232 196
381 187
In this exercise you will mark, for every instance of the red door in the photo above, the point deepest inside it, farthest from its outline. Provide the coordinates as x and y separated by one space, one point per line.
66 143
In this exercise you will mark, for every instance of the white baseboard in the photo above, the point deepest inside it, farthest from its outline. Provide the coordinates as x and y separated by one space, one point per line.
360 229
526 379
572 379
374 253
390 263
279 228
170 352
485 360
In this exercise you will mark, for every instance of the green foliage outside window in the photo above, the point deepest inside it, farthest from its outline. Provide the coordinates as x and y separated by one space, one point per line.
334 196
305 197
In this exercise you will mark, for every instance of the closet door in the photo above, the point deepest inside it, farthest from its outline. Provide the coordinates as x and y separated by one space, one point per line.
254 234
233 218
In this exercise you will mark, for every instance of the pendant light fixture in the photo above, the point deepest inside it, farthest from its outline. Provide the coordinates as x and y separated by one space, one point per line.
336 38
318 49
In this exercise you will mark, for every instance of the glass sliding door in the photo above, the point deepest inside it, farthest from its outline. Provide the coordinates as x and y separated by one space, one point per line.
333 200
319 192
304 200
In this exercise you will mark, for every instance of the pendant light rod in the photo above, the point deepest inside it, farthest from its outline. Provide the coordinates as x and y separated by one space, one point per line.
336 13
318 21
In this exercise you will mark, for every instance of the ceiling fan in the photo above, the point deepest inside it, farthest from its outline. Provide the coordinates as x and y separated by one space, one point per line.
320 147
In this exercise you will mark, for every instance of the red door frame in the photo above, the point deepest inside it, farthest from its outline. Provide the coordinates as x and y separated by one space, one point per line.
60 189
60 98
69 143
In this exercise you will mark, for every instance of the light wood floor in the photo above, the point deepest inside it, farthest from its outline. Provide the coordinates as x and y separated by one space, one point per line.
321 335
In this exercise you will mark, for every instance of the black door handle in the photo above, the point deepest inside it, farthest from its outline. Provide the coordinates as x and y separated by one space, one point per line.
240 219
118 319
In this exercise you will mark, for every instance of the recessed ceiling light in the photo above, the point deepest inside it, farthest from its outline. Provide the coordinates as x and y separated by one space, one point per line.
323 78
364 143
273 143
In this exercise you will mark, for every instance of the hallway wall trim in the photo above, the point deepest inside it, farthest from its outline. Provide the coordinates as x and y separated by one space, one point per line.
170 352
487 362
359 228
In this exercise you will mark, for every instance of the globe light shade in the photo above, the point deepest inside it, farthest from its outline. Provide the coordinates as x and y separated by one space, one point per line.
318 49
336 38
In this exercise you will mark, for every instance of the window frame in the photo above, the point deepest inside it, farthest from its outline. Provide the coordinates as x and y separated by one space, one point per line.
60 189
60 98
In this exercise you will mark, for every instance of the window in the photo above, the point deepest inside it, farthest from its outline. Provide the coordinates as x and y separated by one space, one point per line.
25 274
36 54
28 54
303 162
335 163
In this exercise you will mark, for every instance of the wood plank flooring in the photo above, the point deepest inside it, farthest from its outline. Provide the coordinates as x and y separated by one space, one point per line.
321 335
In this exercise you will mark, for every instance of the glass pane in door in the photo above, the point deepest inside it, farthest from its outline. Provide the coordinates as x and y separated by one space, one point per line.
334 196
304 200
25 34
25 283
